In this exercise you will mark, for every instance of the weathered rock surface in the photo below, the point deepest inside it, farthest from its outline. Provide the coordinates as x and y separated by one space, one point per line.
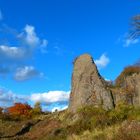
88 87
130 91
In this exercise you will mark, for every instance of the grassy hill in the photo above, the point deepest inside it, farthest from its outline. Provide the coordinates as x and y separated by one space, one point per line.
89 123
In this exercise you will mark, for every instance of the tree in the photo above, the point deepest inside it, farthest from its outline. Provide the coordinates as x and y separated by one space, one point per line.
135 30
37 108
20 109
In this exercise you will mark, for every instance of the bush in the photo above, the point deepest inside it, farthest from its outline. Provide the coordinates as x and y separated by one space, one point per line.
124 112
91 117
37 109
98 116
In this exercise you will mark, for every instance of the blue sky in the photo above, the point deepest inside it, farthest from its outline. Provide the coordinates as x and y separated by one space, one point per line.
39 39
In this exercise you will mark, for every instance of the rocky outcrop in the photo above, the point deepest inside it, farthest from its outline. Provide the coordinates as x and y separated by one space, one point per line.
88 87
129 92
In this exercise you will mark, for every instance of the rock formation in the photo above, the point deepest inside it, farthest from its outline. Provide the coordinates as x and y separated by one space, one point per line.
88 87
129 92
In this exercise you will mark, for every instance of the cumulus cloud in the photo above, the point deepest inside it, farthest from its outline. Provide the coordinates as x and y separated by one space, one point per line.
30 38
16 57
129 42
12 53
102 61
11 59
7 97
26 72
60 97
50 101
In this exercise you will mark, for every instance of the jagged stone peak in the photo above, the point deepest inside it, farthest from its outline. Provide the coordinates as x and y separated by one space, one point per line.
85 55
84 58
88 87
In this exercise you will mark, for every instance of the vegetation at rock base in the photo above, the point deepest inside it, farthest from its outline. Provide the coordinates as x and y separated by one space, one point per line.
97 123
89 123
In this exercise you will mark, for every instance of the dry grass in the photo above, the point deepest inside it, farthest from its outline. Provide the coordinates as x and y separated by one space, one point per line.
123 123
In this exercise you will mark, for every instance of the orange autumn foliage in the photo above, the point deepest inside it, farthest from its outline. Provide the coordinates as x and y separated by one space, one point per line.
20 109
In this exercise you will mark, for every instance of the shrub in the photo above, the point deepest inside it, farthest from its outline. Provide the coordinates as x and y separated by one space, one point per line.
123 112
89 118
97 116
37 108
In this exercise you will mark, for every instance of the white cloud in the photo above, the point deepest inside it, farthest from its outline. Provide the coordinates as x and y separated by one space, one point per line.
102 61
126 40
7 97
60 97
30 38
25 73
12 52
51 100
129 42
43 46
1 16
13 57
58 108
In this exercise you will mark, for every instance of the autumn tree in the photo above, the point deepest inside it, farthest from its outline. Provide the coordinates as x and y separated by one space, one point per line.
20 109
